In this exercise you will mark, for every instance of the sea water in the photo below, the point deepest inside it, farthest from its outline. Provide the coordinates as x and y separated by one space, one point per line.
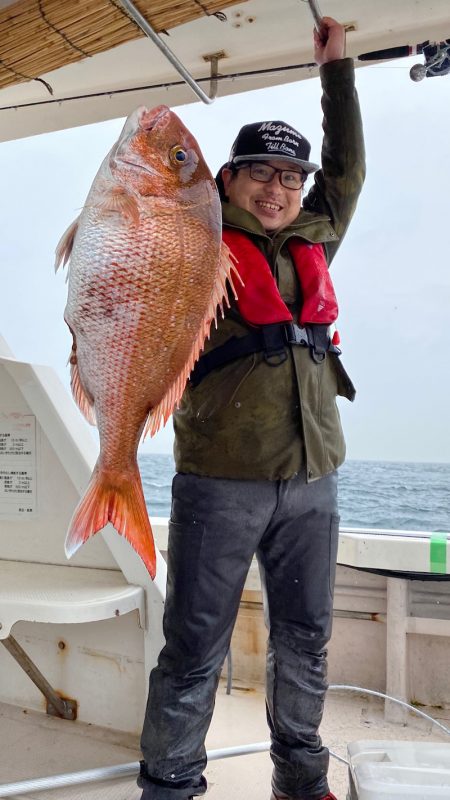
372 494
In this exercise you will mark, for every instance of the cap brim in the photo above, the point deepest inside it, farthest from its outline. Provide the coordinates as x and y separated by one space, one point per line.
307 166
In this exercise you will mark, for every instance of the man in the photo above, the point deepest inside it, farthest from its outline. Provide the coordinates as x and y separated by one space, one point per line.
257 444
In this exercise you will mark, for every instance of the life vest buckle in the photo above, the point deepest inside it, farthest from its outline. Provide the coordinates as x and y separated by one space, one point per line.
273 344
319 342
295 334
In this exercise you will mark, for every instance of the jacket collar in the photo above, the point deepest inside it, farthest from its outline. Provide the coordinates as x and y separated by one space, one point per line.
310 226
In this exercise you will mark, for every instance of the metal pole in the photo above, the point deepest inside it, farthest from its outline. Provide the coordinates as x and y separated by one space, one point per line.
315 11
374 693
64 709
166 51
106 773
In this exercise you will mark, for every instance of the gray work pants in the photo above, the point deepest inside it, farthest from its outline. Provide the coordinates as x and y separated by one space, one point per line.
216 527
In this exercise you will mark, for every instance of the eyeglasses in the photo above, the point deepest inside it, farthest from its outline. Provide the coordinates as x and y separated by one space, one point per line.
289 178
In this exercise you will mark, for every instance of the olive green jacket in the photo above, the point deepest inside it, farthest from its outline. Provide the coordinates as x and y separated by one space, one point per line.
250 420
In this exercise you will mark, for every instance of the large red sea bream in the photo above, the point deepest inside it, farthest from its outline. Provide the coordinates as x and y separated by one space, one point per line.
147 273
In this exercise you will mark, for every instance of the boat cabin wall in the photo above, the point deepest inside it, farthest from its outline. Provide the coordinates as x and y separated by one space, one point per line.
98 664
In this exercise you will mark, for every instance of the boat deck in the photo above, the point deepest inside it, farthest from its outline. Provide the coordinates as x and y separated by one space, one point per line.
33 745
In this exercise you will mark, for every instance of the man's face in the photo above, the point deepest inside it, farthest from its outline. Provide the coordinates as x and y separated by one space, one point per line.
273 204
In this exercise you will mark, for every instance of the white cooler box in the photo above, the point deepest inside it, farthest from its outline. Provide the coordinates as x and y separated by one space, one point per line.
399 770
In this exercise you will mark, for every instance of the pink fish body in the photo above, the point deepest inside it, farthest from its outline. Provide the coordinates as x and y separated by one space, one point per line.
147 273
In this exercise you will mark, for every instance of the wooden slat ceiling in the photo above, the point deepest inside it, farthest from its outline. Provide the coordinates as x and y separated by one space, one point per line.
38 36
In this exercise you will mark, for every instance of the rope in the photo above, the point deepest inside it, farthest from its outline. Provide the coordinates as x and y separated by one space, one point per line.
26 77
219 14
60 33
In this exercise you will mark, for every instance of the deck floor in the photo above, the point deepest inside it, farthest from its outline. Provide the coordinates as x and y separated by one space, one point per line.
33 746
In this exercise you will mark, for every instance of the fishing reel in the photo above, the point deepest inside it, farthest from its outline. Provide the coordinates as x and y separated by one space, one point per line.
437 54
437 60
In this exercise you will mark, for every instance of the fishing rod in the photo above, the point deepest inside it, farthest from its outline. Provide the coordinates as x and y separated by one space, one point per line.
436 54
436 58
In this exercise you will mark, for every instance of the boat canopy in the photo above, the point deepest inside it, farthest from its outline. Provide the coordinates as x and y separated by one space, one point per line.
69 64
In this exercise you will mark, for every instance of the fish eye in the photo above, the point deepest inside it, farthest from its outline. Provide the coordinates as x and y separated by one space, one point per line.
178 155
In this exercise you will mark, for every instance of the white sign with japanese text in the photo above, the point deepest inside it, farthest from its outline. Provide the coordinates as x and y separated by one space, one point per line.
17 465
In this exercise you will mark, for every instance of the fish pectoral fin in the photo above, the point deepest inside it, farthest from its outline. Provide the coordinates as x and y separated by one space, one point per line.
119 500
83 399
117 200
64 247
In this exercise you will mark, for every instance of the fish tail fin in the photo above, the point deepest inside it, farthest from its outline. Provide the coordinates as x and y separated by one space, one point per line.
120 500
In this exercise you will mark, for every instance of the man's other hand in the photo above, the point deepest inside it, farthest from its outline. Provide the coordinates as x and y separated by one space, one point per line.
329 42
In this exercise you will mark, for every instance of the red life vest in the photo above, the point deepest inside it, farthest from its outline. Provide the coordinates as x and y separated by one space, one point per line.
259 300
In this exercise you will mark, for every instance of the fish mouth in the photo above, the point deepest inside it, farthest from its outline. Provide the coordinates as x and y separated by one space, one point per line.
148 119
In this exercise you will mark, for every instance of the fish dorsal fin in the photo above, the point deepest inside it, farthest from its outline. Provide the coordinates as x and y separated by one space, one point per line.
226 271
65 244
116 200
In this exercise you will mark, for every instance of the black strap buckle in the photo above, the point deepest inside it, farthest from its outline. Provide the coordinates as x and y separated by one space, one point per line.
274 344
295 335
319 342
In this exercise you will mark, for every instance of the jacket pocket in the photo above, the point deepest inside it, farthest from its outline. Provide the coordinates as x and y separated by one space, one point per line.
345 387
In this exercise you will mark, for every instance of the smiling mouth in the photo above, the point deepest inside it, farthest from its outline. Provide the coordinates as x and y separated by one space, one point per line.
264 204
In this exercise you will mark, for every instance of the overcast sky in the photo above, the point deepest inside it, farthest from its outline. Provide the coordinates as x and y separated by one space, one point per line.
391 273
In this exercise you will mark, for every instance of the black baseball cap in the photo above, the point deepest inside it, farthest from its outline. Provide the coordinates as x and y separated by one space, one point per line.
264 141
